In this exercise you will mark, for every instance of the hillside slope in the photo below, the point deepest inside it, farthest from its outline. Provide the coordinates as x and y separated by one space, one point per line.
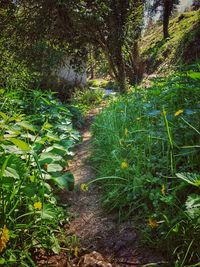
183 46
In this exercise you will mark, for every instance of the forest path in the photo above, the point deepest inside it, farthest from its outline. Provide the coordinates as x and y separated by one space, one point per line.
98 231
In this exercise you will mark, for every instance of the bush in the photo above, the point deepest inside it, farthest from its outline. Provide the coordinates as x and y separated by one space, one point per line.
36 141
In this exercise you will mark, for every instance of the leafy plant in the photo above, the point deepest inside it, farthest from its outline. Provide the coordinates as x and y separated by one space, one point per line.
87 98
36 141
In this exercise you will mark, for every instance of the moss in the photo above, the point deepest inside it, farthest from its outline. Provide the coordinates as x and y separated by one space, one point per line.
183 47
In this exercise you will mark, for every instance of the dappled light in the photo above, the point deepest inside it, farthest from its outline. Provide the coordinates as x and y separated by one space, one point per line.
99 133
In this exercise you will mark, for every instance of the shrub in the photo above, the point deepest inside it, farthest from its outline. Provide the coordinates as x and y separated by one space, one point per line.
36 141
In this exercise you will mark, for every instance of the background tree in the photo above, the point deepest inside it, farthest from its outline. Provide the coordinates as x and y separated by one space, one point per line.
69 27
196 4
165 7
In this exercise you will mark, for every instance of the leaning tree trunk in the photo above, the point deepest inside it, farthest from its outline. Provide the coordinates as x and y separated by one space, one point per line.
167 12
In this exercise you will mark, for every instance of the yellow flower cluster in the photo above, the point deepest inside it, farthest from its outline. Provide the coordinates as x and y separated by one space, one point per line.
76 251
163 189
4 238
177 113
38 205
84 187
124 165
152 223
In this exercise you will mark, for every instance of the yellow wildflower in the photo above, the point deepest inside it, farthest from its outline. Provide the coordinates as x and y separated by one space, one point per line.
76 251
69 162
152 223
38 205
163 189
84 187
177 113
4 238
138 118
126 132
124 165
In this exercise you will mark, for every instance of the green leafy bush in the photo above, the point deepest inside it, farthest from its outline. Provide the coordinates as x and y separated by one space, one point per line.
146 137
36 141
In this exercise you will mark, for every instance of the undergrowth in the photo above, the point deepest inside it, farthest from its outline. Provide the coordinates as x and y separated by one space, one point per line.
150 140
36 141
87 98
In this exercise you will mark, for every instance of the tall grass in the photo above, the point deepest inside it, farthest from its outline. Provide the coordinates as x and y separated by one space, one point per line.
146 139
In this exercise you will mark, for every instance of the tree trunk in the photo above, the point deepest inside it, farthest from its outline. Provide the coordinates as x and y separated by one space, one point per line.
167 12
121 79
121 73
135 66
117 66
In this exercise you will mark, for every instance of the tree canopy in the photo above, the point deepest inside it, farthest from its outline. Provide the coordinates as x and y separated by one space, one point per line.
46 30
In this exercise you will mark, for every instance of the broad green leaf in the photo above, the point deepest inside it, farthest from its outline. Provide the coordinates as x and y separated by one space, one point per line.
46 157
54 167
20 144
49 212
12 149
57 149
64 128
52 137
29 136
10 134
65 181
26 126
47 126
67 143
75 136
10 172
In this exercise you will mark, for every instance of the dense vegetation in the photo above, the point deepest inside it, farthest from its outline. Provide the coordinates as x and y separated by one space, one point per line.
146 145
181 49
36 141
146 141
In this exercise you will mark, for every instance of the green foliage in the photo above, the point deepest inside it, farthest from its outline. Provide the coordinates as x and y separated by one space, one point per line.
36 141
87 98
150 138
181 48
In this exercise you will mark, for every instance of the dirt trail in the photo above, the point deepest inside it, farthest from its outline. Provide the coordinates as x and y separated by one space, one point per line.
116 243
97 230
